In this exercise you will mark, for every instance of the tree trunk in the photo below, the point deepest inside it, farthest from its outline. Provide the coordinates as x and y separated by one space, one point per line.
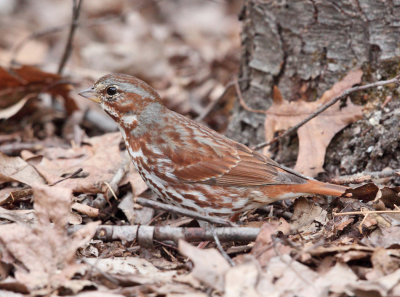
304 47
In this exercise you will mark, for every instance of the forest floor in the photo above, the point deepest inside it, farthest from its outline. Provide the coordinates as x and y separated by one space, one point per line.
74 215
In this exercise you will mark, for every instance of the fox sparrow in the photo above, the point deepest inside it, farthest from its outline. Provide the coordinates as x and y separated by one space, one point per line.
190 165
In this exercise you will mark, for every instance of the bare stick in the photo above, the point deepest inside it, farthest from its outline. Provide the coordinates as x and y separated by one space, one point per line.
212 104
243 103
220 248
85 209
72 175
324 107
364 212
76 8
119 175
15 148
56 29
32 36
147 234
364 177
182 211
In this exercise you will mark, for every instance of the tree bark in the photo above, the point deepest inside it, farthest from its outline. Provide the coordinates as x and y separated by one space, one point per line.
304 47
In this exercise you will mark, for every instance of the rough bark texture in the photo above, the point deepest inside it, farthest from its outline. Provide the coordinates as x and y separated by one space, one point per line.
371 144
304 47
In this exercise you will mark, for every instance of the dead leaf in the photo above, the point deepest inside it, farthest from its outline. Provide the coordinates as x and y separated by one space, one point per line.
99 157
17 85
8 112
146 272
139 216
314 136
307 216
99 293
211 272
385 237
382 286
291 278
336 279
242 280
266 246
43 255
383 263
16 169
18 215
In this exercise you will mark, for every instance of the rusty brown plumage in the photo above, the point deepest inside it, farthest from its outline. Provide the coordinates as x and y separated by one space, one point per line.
189 164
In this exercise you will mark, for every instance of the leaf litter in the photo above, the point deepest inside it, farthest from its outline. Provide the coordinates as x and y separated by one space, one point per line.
314 136
63 156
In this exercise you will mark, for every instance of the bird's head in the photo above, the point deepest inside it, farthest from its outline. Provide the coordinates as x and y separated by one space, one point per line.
123 97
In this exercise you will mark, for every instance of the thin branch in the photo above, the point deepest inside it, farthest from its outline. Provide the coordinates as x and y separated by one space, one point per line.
57 29
212 104
116 179
243 103
364 212
364 177
86 209
18 47
210 107
140 233
220 248
360 227
76 8
15 148
182 211
72 175
324 107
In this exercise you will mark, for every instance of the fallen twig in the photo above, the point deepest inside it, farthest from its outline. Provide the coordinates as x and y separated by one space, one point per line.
17 195
166 233
72 175
243 103
342 248
15 148
220 248
76 8
364 212
324 107
212 104
118 176
182 211
85 209
364 177
95 22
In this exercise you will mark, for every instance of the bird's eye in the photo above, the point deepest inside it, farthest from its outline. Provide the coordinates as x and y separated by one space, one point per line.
111 91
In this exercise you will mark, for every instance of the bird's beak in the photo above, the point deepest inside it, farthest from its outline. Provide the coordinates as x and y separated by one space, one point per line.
90 94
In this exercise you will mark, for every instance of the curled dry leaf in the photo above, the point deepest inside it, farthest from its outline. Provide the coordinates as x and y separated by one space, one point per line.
384 237
140 269
16 169
242 280
266 246
211 272
99 157
99 293
315 135
308 216
42 254
18 85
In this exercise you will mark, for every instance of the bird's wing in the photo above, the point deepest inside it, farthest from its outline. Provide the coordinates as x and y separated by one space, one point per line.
206 156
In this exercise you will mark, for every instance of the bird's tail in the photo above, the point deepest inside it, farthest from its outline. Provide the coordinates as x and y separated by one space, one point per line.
317 187
321 188
285 191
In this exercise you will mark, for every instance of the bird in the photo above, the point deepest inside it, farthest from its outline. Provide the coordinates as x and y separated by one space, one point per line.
189 165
